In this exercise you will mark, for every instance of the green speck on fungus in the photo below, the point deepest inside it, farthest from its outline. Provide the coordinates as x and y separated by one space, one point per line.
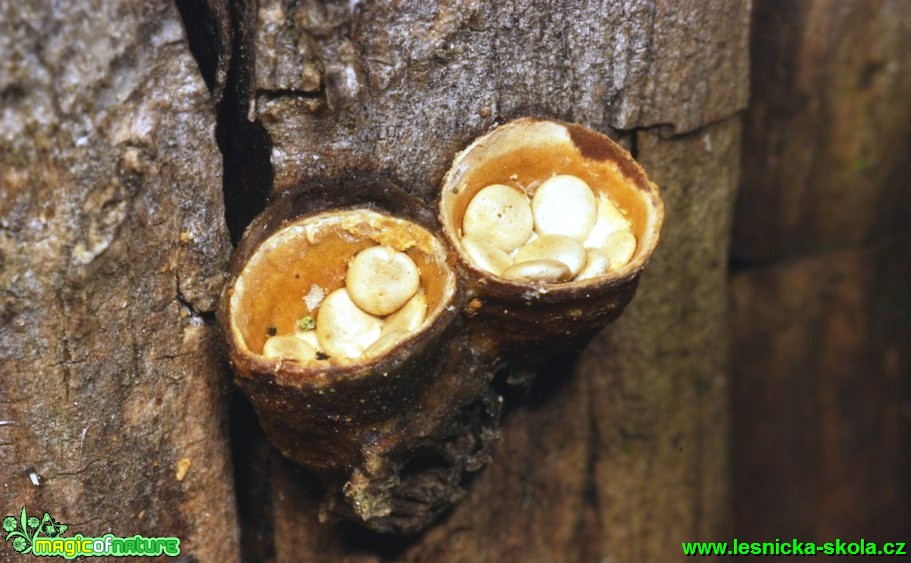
306 323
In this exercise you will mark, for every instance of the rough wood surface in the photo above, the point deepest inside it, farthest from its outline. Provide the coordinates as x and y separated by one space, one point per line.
112 249
821 306
341 85
622 454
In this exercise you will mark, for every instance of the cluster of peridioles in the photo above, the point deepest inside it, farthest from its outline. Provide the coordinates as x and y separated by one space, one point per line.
551 231
381 303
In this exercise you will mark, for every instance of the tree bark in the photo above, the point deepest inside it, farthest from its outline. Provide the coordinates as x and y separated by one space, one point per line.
821 309
620 453
112 252
113 247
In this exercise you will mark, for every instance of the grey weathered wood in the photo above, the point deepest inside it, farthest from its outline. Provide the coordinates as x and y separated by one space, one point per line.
112 248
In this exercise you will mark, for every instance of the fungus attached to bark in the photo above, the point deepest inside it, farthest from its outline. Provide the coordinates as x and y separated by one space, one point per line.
367 334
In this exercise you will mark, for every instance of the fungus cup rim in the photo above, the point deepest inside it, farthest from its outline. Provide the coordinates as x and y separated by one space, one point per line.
590 145
308 201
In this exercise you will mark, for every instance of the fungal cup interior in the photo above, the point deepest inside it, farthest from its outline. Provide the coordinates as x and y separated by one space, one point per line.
290 273
528 151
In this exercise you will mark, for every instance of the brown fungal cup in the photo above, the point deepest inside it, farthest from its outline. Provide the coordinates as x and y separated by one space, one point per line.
356 421
530 319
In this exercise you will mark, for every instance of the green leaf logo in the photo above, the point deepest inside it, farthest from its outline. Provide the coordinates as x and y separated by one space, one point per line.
20 543
23 531
50 528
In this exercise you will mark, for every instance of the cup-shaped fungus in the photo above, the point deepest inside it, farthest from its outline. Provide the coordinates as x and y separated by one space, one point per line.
367 343
341 321
553 224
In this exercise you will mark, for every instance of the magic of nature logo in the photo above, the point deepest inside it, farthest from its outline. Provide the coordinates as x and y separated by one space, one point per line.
43 537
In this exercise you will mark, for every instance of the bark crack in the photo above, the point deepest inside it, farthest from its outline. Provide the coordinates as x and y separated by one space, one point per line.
66 356
242 139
